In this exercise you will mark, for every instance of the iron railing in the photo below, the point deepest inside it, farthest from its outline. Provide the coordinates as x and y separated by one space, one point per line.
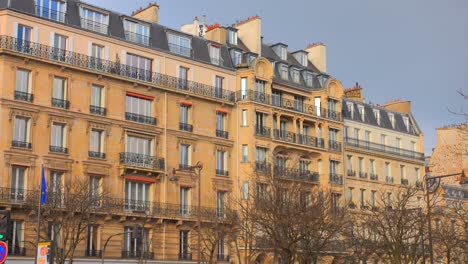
186 127
389 179
334 145
50 14
374 177
222 133
140 118
351 173
93 109
363 175
288 104
296 174
262 167
222 172
185 256
96 154
404 181
291 137
114 68
141 160
94 26
137 38
21 144
263 131
353 142
23 96
336 178
56 102
58 149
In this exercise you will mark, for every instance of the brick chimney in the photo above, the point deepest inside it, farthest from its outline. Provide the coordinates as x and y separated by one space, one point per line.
250 31
317 54
149 14
398 105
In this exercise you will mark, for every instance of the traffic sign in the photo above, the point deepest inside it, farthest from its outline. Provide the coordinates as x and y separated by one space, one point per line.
3 251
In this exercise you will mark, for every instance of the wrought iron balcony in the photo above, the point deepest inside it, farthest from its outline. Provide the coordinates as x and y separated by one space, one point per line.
137 38
389 179
352 142
374 177
222 133
186 127
296 174
23 96
285 136
58 149
56 102
95 154
50 14
334 145
93 109
351 173
222 172
141 161
262 167
137 205
94 26
185 256
310 141
113 68
262 131
336 178
93 253
181 50
21 144
137 254
140 118
15 195
404 181
363 175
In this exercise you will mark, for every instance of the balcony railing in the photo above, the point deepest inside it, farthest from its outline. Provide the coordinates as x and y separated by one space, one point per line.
140 118
137 38
96 154
296 174
263 131
186 127
94 26
384 148
181 50
21 144
374 177
351 173
389 179
291 137
262 167
138 254
334 145
50 14
363 175
288 104
185 256
22 96
58 149
114 68
141 161
222 172
56 102
404 182
222 133
93 109
336 178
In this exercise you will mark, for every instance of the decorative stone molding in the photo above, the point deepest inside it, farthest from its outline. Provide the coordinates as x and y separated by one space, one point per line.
26 112
23 159
62 164
60 119
104 126
95 168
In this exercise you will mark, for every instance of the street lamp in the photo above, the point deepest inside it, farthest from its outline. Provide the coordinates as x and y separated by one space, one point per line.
197 168
432 184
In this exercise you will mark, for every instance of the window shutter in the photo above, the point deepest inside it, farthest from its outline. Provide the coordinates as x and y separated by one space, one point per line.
15 29
52 35
36 34
90 47
70 44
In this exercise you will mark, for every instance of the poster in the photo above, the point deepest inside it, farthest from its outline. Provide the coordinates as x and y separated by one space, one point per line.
44 252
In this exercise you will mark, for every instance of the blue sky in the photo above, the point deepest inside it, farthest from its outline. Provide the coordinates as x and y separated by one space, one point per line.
415 50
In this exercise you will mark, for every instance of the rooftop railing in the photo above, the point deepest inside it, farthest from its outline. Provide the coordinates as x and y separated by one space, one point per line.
114 68
352 142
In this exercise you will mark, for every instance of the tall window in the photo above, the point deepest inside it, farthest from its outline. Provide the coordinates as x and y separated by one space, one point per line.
51 9
92 241
259 88
350 107
295 75
244 88
244 117
97 100
53 232
23 36
136 32
184 194
17 183
219 86
136 196
406 122
184 118
138 145
260 158
21 132
58 138
138 109
96 148
138 67
16 233
387 169
214 54
60 93
298 103
349 165
363 198
309 79
94 190
398 143
23 85
96 56
283 69
232 37
303 166
184 155
93 20
350 194
183 245
276 97
55 187
402 171
221 163
182 82
377 115
135 245
220 203
361 112
221 252
371 166
245 153
391 116
220 118
180 45
361 165
236 57
60 47
373 198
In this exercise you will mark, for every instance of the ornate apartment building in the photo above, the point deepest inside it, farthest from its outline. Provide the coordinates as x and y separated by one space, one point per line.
383 149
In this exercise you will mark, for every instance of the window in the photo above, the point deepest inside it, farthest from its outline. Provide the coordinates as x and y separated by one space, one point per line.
406 121
383 139
232 37
218 86
363 198
184 118
236 57
183 245
245 153
377 115
283 71
221 163
53 232
138 67
350 194
184 155
244 117
361 165
283 52
96 147
309 79
23 36
356 133
350 107
416 173
184 196
398 143
259 88
361 112
260 155
59 48
182 82
21 133
17 183
92 241
23 86
373 198
367 136
392 119
402 171
215 54
302 58
51 9
276 97
260 190
93 20
137 196
54 194
60 93
295 75
135 245
220 125
138 145
245 190
244 88
387 169
335 200
220 203
349 166
97 100
138 109
298 103
58 138
221 252
96 54
371 166
180 45
16 246
136 32
95 190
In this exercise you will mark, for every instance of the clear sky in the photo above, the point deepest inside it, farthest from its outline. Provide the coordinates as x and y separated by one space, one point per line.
415 50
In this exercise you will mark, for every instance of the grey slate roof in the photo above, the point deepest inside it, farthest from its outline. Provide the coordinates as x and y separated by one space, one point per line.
158 33
370 119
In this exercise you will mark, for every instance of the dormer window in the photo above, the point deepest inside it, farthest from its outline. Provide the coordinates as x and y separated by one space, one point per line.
309 79
232 37
136 32
301 57
377 116
392 119
283 53
51 9
361 112
214 50
281 50
94 20
350 107
236 57
179 44
295 75
283 69
406 121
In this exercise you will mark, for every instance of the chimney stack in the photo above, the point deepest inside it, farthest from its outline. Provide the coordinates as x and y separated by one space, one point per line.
318 55
149 14
250 31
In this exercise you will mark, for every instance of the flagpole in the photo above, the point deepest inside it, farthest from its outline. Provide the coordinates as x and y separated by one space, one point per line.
38 227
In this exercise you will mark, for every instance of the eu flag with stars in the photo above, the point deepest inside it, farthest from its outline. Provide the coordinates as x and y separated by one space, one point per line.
43 187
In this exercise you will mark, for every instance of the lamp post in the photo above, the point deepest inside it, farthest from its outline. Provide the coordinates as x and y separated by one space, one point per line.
197 168
432 184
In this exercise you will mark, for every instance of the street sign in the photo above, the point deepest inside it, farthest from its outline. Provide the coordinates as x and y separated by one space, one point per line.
43 252
3 251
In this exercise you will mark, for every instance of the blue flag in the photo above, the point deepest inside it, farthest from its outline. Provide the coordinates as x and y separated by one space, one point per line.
43 187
